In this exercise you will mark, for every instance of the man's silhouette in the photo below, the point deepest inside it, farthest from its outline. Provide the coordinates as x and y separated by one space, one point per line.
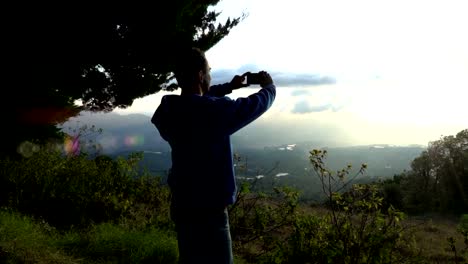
198 125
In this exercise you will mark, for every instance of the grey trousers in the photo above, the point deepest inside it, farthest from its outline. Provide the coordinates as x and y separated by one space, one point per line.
203 235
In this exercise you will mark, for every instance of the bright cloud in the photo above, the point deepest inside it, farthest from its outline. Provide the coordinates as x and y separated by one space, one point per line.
373 71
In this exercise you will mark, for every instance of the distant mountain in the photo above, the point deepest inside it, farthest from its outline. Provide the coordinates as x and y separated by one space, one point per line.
269 152
381 160
123 134
289 164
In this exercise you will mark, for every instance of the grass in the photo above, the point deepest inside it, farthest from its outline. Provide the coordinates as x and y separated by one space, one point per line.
114 244
430 238
23 240
27 240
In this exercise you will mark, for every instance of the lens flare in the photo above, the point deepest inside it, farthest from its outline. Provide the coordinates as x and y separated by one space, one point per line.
71 146
135 140
53 146
27 149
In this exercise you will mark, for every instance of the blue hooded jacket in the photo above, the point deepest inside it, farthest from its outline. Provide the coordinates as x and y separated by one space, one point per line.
198 129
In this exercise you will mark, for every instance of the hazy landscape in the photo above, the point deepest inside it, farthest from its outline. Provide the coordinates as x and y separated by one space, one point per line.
286 163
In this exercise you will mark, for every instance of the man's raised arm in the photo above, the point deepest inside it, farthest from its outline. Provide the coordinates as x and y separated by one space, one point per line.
226 88
219 90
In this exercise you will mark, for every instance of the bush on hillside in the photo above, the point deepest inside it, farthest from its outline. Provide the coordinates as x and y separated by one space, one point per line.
351 227
77 190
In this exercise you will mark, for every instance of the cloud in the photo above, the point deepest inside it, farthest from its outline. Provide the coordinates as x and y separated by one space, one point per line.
222 76
300 92
281 79
288 79
248 68
304 107
226 75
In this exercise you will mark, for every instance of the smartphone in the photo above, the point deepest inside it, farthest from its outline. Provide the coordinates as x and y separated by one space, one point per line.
253 78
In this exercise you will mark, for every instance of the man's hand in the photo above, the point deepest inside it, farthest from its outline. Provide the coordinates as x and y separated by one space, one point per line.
238 81
265 78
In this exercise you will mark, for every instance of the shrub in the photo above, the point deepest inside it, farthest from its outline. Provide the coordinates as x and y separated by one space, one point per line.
463 229
258 220
77 190
353 227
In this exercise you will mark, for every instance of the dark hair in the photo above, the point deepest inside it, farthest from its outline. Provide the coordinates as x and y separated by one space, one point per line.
188 64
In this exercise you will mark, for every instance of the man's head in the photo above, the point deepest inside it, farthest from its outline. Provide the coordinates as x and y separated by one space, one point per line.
192 70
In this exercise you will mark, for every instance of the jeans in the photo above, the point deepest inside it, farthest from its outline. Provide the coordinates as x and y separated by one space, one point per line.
203 235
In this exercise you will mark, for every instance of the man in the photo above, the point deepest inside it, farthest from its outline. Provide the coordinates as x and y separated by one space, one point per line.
198 124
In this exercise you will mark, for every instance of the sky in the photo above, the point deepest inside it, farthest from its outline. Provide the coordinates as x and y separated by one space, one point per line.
360 72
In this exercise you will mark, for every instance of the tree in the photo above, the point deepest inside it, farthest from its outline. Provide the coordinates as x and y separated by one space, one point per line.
438 180
452 171
105 56
420 184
